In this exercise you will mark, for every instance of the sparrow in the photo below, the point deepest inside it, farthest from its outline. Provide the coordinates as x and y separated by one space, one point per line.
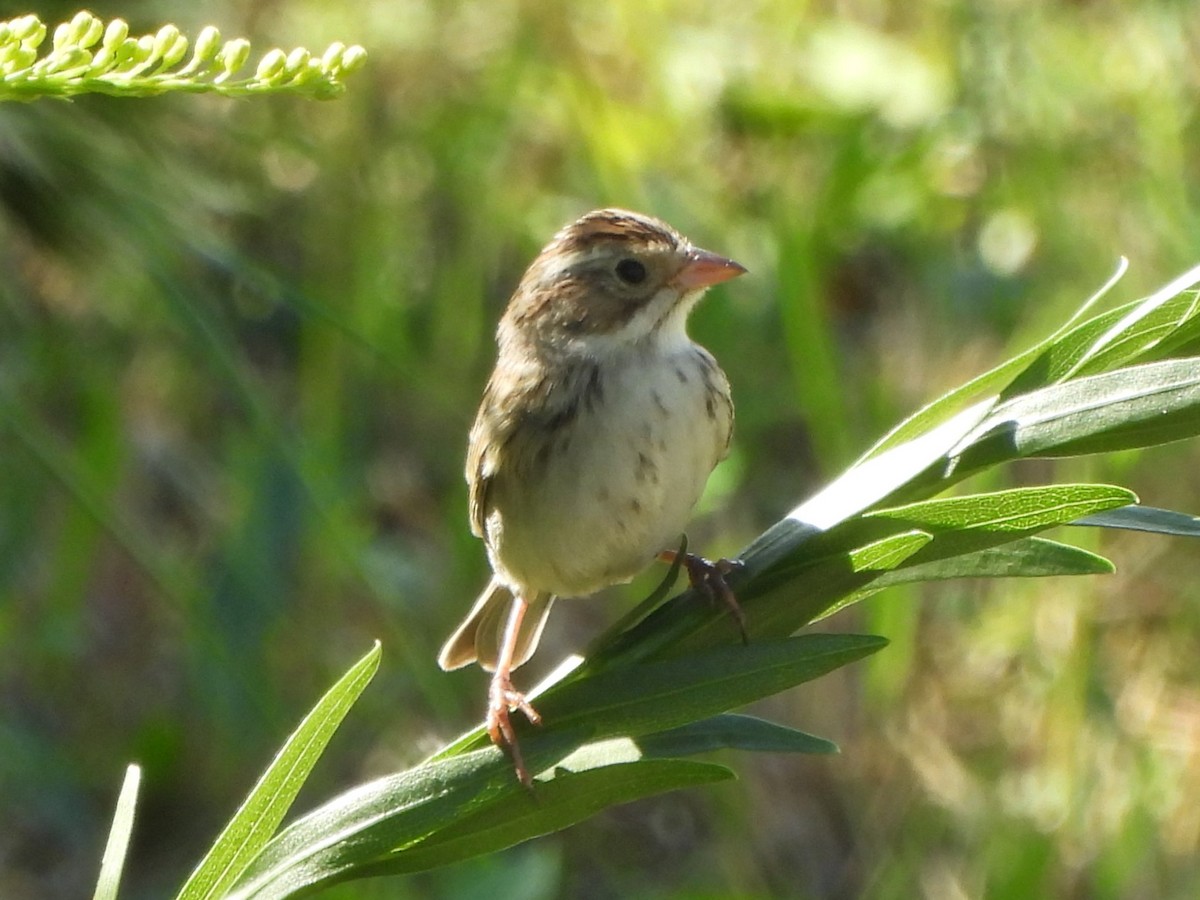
597 432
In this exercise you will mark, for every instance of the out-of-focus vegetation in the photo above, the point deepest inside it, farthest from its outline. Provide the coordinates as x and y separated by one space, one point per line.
241 344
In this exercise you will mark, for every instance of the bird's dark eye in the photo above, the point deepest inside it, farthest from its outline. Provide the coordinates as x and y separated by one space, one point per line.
631 271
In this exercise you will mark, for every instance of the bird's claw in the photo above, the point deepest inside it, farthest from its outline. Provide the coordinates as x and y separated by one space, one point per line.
503 698
708 576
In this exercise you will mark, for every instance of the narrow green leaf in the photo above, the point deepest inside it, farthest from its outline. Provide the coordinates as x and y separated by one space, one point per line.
889 552
958 525
1090 347
818 578
375 819
1032 557
1145 518
735 732
651 697
1140 336
1023 558
870 481
568 798
1015 510
963 525
268 802
991 383
776 600
453 808
1139 406
1141 327
654 599
113 861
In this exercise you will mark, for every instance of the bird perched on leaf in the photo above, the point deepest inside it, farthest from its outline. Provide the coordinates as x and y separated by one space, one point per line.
597 432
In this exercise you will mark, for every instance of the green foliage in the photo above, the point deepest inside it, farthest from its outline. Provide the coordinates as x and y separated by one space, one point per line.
89 57
465 801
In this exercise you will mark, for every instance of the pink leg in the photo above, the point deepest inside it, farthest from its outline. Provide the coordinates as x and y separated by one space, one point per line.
503 698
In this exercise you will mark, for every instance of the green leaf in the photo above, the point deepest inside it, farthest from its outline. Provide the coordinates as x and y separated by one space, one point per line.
991 383
1112 338
865 484
1032 557
590 723
889 552
655 598
462 806
262 811
375 819
613 774
113 861
1150 322
1145 518
1023 558
570 797
1139 406
967 524
915 533
1017 510
651 697
818 573
735 732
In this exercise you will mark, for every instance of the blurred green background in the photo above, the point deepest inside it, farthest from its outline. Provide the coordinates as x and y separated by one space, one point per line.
241 343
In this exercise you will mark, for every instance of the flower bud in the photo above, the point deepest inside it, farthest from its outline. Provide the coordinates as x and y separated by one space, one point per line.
86 29
63 37
208 42
271 65
353 58
21 57
164 40
70 59
115 34
234 55
29 30
332 56
125 54
296 61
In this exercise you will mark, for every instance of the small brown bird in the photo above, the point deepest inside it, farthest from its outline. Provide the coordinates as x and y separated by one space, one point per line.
597 432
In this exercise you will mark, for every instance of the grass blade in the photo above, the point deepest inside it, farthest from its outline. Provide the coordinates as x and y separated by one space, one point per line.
115 850
261 812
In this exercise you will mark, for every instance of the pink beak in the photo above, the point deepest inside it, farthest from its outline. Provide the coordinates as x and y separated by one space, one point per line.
704 269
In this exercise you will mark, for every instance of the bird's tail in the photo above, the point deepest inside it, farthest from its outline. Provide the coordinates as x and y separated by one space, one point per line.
478 638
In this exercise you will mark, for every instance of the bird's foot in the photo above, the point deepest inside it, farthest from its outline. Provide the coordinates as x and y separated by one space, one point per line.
708 576
503 698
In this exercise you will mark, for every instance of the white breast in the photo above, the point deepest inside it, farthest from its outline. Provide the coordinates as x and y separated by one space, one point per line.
621 483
